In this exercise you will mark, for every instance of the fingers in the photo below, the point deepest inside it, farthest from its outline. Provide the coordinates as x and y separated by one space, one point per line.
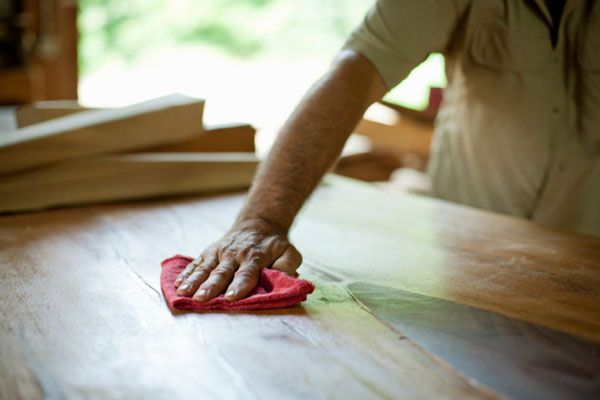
201 272
234 263
187 271
289 261
218 280
244 281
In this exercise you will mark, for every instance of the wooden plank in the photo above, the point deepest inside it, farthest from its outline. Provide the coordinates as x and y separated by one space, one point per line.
218 138
165 120
491 261
83 316
40 111
125 177
408 136
232 137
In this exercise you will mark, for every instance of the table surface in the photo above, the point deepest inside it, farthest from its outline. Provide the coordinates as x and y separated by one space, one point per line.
82 314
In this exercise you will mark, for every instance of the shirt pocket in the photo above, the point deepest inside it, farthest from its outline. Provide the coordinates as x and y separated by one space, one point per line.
499 47
588 80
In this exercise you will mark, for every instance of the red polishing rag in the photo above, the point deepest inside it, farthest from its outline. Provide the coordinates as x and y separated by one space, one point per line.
275 289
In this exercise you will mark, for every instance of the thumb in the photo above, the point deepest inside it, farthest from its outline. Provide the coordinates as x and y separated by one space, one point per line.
289 261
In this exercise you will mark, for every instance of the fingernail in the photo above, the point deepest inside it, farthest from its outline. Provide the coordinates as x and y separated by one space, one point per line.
200 295
230 293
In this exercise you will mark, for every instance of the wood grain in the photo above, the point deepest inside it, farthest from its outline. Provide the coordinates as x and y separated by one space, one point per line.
82 317
498 263
81 314
165 120
520 360
125 177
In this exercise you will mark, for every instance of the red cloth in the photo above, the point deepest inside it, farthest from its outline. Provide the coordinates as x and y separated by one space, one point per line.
275 289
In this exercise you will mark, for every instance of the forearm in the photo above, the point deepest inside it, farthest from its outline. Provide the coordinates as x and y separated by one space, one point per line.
311 140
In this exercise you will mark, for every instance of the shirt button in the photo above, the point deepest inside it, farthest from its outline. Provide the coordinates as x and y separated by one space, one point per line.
555 58
560 167
555 110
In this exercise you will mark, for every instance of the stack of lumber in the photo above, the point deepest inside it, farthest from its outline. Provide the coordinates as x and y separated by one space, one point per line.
63 154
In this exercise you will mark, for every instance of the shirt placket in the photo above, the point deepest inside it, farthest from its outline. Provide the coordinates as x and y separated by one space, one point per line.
557 108
556 112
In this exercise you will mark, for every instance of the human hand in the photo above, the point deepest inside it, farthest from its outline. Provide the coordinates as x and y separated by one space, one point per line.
234 262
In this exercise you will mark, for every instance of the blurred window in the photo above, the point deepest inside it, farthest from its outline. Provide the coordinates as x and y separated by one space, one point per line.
252 59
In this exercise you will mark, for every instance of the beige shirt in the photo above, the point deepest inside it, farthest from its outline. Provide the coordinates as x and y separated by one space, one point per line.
519 128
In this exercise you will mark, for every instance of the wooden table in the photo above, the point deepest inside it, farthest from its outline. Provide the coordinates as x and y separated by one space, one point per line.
82 314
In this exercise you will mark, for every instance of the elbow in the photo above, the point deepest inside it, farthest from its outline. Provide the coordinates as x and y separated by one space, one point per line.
361 73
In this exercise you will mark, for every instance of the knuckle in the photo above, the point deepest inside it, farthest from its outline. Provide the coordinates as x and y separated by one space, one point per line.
219 273
208 263
255 255
182 274
195 262
189 270
202 274
227 252
204 269
192 278
208 258
208 252
255 237
246 274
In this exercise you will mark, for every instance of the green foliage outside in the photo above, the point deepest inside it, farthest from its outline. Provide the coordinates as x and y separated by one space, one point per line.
127 30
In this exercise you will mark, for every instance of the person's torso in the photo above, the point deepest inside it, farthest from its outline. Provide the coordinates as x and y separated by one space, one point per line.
519 129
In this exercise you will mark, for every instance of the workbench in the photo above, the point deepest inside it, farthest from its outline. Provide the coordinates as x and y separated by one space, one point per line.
82 314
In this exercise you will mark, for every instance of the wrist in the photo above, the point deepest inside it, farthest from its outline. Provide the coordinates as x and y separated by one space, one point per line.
261 224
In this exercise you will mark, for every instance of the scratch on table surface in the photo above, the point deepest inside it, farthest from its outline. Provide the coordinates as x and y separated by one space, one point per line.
45 380
140 277
237 379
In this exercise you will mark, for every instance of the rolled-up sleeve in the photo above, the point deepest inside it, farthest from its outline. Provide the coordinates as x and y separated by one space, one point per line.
397 35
